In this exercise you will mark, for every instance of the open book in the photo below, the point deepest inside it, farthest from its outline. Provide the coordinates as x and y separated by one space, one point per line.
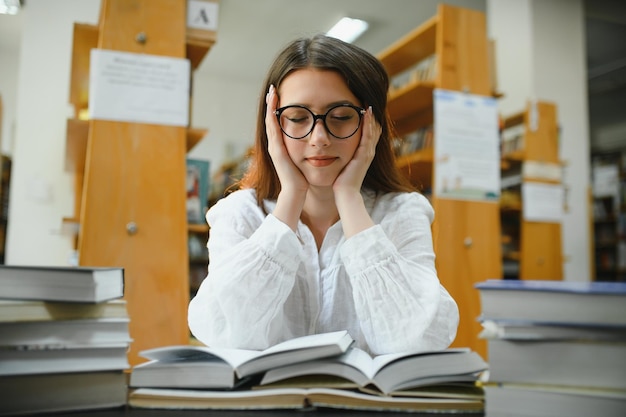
388 373
206 367
322 355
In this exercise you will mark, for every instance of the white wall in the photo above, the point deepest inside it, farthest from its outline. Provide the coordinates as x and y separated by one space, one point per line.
508 25
9 67
540 53
41 192
226 106
8 92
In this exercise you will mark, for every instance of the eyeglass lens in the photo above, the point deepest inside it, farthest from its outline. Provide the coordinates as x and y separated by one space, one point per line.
341 121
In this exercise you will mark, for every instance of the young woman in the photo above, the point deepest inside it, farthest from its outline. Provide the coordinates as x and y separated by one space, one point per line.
325 234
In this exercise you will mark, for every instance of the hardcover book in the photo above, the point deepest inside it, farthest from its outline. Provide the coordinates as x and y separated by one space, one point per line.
62 359
197 189
597 364
205 367
65 332
391 372
519 400
53 283
554 301
57 392
38 310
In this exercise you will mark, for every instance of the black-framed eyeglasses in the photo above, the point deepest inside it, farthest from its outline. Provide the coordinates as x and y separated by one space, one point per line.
341 121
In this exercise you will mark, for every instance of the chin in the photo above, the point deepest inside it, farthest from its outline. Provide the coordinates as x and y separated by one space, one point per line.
321 181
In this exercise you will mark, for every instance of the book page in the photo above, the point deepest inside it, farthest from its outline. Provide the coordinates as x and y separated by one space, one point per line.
237 357
308 342
233 357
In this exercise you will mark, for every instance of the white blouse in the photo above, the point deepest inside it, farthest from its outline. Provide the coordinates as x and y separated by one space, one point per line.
267 284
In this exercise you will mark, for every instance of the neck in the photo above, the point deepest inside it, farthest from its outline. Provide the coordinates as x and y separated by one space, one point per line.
319 212
320 205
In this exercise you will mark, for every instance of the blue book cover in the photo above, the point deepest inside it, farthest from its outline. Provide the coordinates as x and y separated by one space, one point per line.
593 287
197 185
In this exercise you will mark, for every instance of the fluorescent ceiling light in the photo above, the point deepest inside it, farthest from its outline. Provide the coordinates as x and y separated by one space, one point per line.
9 6
348 29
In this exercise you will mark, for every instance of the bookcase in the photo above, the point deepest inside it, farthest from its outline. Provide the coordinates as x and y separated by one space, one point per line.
5 192
609 216
130 177
531 246
5 182
466 233
198 256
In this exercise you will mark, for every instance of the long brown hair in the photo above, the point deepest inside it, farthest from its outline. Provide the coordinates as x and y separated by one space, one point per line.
367 80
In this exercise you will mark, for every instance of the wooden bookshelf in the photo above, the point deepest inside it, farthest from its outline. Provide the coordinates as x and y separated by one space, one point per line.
78 134
466 233
608 213
537 245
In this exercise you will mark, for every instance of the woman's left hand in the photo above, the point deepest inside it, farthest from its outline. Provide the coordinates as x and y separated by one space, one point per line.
351 177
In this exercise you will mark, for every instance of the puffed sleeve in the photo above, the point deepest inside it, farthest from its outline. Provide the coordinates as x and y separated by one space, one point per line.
398 298
251 274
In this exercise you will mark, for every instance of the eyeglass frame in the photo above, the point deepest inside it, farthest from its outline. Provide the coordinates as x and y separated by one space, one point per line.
360 111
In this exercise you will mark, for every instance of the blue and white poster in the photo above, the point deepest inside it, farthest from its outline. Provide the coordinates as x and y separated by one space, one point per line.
466 149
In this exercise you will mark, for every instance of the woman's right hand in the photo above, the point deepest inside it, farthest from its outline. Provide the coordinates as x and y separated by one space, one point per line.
291 178
293 184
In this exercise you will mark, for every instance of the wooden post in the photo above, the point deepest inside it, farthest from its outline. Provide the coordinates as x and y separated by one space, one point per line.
466 233
133 199
541 244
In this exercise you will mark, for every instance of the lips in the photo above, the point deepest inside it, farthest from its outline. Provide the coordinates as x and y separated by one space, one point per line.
321 161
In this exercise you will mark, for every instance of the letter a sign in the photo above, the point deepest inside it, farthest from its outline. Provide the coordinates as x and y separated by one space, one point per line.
202 14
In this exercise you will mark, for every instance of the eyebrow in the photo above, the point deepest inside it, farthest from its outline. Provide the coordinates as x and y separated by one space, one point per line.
328 106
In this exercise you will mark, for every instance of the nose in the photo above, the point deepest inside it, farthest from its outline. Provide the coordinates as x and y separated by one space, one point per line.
319 134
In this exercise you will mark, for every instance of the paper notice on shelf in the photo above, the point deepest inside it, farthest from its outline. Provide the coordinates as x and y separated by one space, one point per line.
466 149
129 87
605 180
539 170
542 202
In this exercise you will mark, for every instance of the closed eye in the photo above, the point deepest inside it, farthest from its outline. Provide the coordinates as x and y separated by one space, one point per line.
298 119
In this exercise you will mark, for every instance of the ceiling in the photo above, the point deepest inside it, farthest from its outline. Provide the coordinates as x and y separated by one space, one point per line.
251 33
606 44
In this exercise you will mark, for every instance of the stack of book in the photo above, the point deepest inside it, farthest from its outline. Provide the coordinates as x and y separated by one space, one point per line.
64 339
317 371
554 348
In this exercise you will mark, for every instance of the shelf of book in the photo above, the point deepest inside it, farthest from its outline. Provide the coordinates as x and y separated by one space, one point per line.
5 192
409 100
64 333
466 233
197 237
609 216
412 47
418 166
554 347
